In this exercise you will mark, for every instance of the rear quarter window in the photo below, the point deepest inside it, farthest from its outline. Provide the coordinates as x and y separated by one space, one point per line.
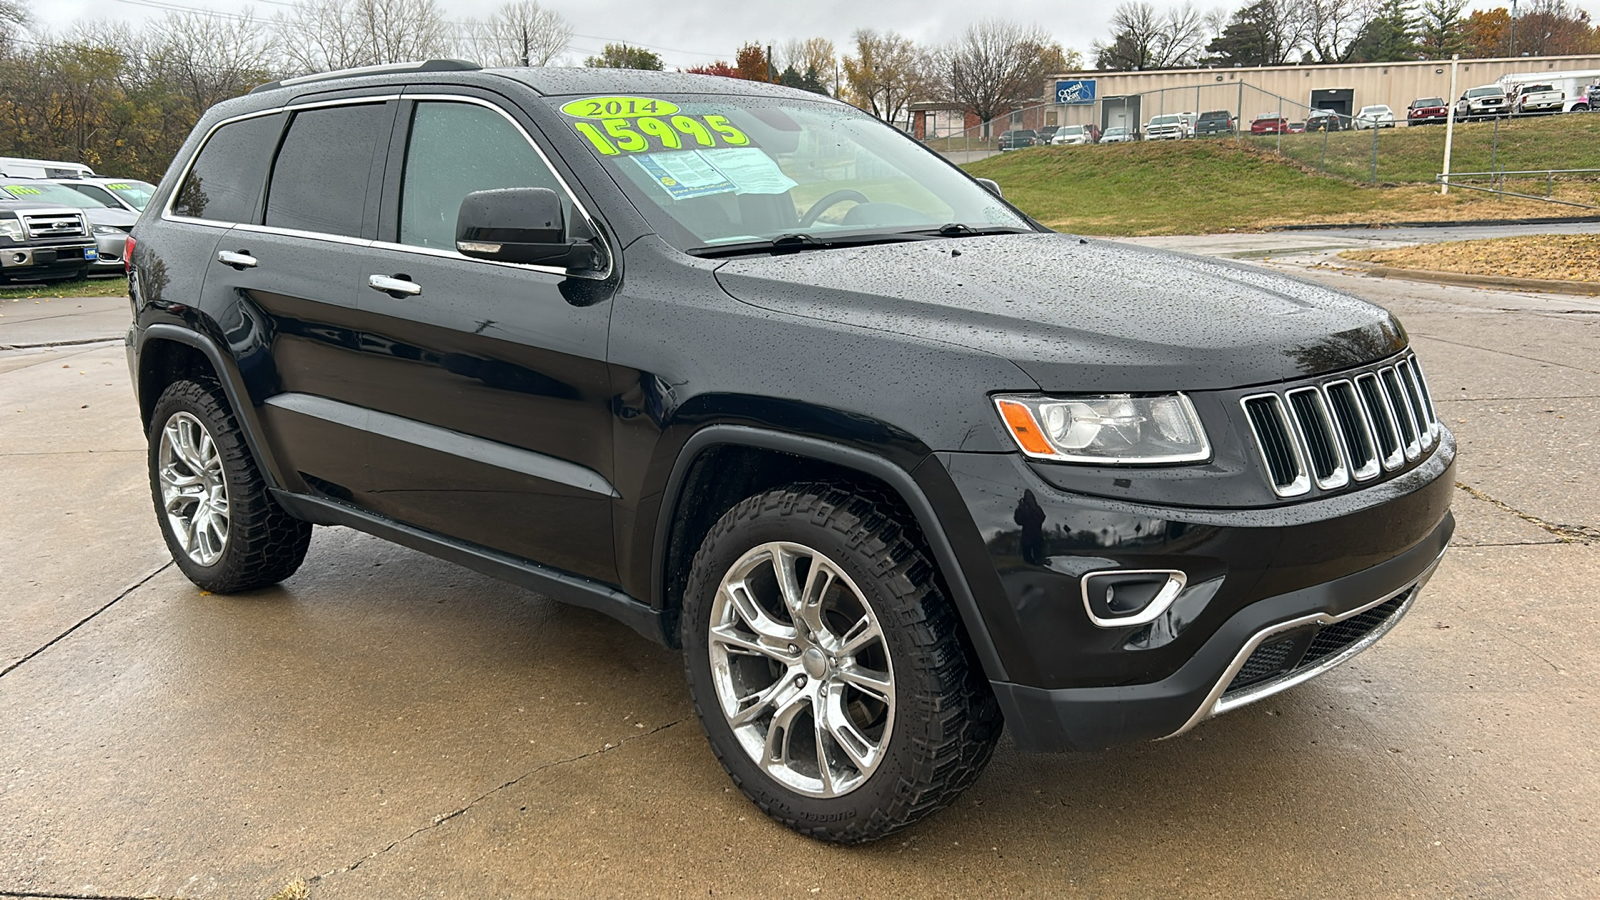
224 183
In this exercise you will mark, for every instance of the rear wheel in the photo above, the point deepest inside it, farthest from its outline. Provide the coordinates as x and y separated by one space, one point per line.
224 530
828 668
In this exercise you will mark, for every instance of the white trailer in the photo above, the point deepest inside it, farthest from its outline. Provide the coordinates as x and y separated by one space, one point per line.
1574 84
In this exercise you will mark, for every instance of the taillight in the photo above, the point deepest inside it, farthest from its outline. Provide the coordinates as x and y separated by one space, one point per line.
127 256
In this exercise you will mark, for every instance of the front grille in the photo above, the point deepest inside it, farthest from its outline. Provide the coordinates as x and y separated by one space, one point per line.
54 224
1344 429
1275 659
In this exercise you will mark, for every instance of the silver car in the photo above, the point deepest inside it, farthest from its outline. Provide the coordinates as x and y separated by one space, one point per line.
110 226
130 194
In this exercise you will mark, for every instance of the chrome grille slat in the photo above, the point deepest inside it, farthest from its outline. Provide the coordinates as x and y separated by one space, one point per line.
1350 428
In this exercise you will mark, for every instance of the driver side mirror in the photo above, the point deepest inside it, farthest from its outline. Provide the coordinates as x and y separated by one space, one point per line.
520 225
992 186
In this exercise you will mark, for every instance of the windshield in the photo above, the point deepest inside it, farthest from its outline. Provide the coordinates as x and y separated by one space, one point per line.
1431 101
707 171
1484 92
1165 120
1374 109
1116 129
1070 129
45 192
136 193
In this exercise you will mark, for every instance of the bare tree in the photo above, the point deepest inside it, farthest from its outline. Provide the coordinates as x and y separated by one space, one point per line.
1332 26
887 73
321 35
997 66
520 33
207 58
402 30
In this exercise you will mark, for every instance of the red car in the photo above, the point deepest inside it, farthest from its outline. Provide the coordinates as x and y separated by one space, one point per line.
1269 123
1427 109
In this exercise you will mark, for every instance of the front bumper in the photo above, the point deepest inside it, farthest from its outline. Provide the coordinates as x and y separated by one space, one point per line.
1256 578
45 260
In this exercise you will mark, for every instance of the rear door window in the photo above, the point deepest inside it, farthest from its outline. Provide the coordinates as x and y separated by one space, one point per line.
456 149
224 184
319 181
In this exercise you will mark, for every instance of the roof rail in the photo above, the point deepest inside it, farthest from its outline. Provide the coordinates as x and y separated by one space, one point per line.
431 65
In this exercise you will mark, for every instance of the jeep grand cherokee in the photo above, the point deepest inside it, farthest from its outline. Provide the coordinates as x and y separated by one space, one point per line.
766 380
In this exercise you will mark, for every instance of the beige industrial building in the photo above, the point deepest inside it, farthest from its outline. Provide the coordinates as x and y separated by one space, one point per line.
1131 98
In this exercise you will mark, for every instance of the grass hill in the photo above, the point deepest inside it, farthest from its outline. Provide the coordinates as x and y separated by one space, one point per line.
1212 185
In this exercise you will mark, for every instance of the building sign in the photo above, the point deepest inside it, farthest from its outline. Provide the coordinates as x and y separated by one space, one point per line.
1077 91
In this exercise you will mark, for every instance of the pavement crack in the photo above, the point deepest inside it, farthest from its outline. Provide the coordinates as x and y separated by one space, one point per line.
1566 534
442 818
84 621
30 895
72 343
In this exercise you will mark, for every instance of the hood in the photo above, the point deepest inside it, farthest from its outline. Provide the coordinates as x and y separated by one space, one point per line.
1078 314
105 215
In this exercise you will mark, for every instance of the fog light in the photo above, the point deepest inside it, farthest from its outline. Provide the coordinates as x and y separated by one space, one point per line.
1122 597
19 257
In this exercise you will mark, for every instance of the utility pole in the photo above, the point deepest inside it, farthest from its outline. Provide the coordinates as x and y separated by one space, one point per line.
1511 45
1450 123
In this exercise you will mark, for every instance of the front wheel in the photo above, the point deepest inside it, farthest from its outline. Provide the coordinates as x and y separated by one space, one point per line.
225 531
828 668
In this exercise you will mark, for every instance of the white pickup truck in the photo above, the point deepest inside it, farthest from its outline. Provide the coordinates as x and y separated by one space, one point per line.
1536 99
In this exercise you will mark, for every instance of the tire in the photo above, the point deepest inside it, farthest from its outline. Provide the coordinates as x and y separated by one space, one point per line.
908 719
223 528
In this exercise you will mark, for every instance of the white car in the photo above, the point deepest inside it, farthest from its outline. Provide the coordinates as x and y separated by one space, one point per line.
1072 134
1379 116
1116 134
1172 127
130 194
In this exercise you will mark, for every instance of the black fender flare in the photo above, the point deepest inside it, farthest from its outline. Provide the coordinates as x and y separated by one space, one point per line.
897 478
232 386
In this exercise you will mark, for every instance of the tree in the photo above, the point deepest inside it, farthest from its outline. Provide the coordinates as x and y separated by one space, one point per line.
322 35
1265 33
886 73
207 59
751 63
520 33
998 66
1484 35
1143 39
1333 26
1390 36
1555 28
720 67
623 56
1440 28
814 58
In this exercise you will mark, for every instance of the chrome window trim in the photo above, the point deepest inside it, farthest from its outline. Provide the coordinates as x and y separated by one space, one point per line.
1413 447
1341 472
167 215
1302 482
1214 703
1370 470
1397 459
572 195
1177 579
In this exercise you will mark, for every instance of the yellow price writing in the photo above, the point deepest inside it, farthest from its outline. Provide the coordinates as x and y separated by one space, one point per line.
641 133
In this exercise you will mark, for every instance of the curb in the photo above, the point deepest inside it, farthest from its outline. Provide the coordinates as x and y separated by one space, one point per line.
1548 286
1463 223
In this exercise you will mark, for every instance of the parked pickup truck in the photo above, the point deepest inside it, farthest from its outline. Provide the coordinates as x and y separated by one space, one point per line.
1483 102
39 243
1535 99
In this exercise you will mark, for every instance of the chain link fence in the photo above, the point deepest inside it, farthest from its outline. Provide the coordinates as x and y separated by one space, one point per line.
1546 157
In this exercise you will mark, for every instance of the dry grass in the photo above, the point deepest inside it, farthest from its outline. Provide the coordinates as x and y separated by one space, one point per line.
1551 257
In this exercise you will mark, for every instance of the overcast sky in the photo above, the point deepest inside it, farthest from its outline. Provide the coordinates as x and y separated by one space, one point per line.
693 32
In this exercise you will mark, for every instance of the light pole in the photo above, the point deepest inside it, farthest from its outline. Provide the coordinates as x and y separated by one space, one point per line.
1511 45
1450 122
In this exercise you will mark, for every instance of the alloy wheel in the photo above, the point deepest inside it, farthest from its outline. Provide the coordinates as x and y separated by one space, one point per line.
194 490
801 669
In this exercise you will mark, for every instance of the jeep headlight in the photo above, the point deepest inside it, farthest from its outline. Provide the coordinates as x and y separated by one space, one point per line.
11 227
1107 429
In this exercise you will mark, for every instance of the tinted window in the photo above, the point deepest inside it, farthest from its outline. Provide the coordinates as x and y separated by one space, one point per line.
226 177
456 149
97 193
319 182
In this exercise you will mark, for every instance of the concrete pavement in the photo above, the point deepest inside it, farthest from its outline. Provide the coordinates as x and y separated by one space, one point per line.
388 725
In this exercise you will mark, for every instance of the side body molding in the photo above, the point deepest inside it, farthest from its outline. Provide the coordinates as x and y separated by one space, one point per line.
897 478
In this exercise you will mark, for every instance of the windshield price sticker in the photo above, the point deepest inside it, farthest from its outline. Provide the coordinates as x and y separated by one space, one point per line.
20 189
119 186
617 125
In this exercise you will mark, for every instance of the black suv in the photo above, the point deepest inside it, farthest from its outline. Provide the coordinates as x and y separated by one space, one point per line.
764 378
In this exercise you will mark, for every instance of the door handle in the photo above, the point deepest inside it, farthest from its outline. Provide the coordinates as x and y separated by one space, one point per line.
241 260
398 287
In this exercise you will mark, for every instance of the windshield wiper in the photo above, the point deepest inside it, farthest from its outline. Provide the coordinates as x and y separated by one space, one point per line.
962 229
794 243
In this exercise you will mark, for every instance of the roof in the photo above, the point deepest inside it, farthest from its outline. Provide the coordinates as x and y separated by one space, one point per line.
555 80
